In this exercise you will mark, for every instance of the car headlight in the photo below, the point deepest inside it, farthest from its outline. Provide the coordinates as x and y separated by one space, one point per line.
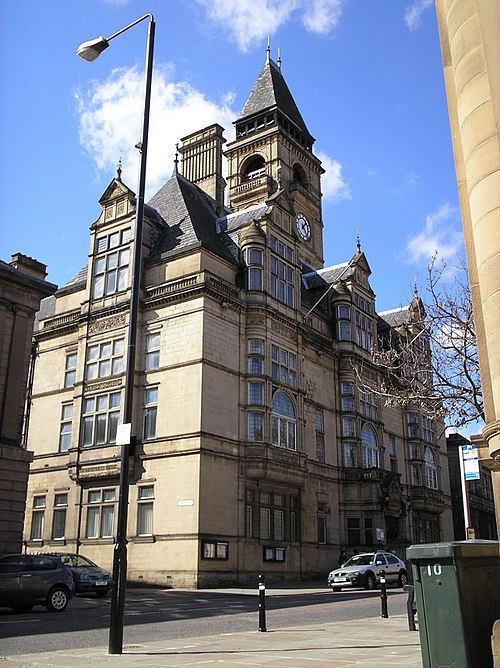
354 574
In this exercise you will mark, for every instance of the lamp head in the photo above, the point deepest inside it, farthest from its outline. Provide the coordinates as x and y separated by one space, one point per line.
92 49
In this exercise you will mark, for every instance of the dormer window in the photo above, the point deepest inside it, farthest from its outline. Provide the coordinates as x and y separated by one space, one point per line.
111 264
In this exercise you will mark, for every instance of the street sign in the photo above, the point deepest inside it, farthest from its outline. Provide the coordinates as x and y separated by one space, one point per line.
471 462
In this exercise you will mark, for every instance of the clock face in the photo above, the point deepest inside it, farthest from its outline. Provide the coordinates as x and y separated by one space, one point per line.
303 227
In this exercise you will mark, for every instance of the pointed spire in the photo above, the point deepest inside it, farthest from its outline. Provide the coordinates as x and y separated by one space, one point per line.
268 51
119 169
279 59
415 288
358 243
176 159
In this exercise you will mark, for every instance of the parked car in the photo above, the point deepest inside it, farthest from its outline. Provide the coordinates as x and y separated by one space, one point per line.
88 576
35 579
365 570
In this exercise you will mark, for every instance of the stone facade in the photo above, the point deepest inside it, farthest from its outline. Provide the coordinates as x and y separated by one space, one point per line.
471 60
22 287
255 449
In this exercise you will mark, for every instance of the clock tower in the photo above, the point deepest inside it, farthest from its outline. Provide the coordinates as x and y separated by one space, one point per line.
271 161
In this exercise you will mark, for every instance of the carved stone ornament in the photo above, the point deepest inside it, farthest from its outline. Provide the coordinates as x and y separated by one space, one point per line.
109 323
256 320
100 471
310 387
103 385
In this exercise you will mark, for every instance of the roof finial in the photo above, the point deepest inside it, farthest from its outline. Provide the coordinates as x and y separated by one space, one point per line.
176 159
279 58
268 51
119 169
358 243
415 287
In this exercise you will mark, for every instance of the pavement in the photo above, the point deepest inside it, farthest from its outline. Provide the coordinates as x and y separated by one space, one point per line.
374 642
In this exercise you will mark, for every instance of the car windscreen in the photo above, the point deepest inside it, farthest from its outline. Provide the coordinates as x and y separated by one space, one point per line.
359 560
76 561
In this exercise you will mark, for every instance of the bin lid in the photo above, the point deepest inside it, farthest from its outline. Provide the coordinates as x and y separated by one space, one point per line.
456 548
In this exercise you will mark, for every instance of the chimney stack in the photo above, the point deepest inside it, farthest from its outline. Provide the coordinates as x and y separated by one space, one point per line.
202 162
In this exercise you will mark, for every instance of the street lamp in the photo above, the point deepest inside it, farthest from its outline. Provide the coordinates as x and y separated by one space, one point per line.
90 51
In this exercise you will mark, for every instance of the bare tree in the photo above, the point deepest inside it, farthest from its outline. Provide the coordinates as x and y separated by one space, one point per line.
427 357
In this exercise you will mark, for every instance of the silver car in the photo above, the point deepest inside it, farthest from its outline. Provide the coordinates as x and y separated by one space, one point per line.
365 570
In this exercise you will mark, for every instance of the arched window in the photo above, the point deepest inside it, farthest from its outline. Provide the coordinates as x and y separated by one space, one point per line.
431 479
254 168
283 421
369 447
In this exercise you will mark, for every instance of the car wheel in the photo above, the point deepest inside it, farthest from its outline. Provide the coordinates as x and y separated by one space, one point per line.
336 588
402 578
370 582
100 593
57 599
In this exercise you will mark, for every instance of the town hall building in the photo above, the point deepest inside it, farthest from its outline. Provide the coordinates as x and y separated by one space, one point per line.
256 449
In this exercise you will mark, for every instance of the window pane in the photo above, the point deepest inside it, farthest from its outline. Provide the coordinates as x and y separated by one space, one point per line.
113 426
145 519
114 400
122 278
108 513
100 436
146 492
110 282
150 422
88 427
108 495
92 523
59 524
256 393
98 286
255 427
256 346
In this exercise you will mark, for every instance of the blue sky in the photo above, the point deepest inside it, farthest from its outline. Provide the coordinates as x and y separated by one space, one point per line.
366 75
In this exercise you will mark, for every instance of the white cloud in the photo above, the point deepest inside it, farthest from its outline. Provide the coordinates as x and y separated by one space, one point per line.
250 21
322 16
111 115
413 13
442 234
333 184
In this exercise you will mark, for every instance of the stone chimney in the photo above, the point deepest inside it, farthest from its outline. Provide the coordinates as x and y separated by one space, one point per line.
28 265
202 162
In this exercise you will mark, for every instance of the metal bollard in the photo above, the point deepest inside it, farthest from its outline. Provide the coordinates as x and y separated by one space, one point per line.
262 604
383 595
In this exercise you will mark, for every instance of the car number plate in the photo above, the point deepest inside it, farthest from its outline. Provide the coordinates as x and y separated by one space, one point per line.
340 579
101 583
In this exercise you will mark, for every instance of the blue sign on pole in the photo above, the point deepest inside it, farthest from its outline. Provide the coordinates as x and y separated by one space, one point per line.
471 462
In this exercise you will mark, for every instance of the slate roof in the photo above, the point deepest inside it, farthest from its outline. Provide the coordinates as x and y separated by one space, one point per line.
233 221
325 277
190 218
394 318
269 93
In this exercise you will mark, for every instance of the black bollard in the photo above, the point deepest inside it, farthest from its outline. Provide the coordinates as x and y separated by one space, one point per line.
383 595
262 604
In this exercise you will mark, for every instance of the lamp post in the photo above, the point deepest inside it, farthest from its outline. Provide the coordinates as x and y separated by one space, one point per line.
90 51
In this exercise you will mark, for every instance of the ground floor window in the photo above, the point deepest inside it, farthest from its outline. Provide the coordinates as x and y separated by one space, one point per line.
38 517
100 513
59 516
145 496
276 515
